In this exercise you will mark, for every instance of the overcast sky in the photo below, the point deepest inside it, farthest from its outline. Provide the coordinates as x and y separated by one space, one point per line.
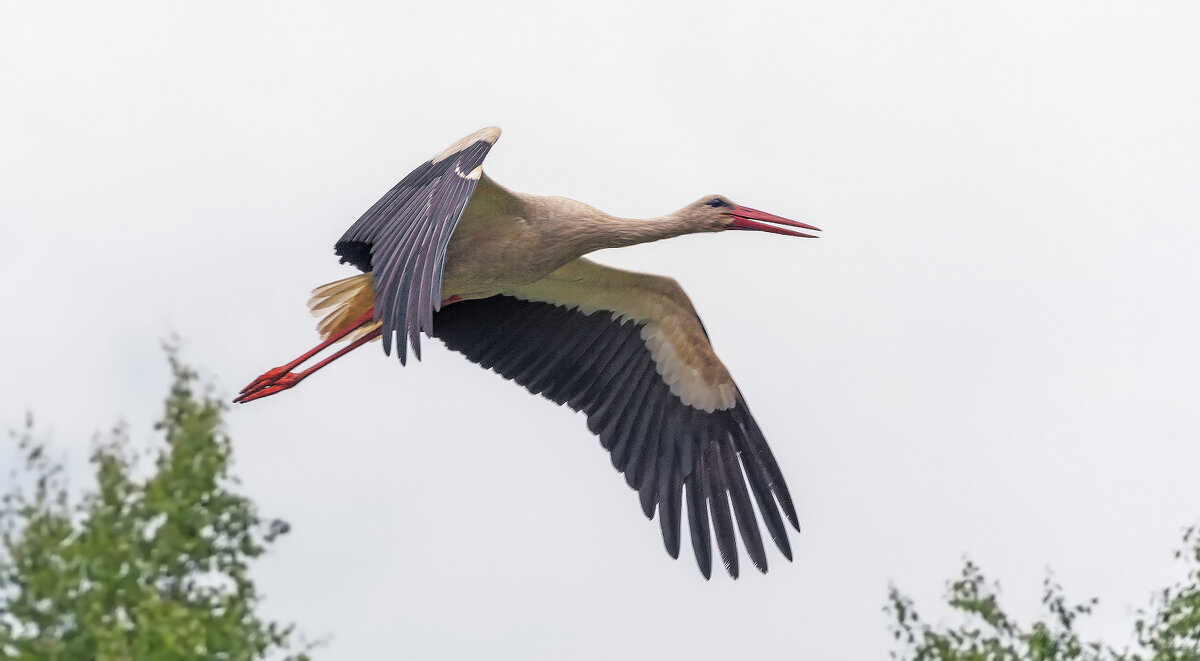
991 351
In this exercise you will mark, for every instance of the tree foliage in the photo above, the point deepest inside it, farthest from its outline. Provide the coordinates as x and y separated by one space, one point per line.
150 563
1169 630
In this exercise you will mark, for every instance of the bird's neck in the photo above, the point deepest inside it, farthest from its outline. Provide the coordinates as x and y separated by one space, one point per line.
594 230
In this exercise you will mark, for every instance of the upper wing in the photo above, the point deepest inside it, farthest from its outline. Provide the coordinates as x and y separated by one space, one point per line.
402 239
628 350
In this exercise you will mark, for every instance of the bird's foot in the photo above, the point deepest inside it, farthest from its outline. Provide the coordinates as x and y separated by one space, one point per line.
267 378
273 381
281 378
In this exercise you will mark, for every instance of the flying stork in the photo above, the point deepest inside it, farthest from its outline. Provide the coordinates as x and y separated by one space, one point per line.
500 277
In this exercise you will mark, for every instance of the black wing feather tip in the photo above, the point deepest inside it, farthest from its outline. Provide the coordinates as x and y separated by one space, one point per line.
672 454
669 503
766 504
698 525
718 506
647 489
746 521
648 504
762 452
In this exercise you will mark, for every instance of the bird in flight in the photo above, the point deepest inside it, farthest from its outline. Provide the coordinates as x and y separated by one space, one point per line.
500 277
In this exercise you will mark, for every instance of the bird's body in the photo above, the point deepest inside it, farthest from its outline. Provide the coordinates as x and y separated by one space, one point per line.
506 240
627 349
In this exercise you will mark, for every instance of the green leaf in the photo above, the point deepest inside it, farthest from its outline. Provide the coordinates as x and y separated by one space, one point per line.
138 566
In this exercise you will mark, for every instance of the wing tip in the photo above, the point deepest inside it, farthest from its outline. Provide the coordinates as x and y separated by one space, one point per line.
789 510
731 566
489 135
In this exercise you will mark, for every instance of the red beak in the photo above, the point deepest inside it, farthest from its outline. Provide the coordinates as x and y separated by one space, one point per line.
744 218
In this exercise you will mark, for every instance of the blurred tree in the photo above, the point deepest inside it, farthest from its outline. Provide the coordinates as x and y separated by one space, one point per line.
140 568
1168 631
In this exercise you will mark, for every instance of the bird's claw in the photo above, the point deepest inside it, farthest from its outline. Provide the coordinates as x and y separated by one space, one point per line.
270 376
258 394
273 381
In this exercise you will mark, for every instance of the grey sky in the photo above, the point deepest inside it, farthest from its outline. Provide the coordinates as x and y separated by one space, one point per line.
992 350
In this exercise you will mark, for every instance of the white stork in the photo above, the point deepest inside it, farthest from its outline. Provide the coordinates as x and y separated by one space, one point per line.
500 277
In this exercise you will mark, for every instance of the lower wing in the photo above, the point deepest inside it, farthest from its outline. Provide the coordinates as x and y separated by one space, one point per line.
629 351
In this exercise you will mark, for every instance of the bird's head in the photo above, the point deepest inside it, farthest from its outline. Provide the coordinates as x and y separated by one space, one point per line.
715 213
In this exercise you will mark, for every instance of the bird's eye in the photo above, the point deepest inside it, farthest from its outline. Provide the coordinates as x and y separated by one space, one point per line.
717 202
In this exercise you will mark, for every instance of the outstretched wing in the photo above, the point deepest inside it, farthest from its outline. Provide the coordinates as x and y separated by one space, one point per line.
402 239
628 350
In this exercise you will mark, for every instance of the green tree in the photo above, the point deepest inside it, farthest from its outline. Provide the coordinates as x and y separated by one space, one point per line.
148 564
1169 630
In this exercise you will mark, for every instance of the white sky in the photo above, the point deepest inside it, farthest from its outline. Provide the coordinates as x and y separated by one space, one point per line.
991 351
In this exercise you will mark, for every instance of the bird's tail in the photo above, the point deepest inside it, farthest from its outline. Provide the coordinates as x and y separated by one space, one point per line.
340 303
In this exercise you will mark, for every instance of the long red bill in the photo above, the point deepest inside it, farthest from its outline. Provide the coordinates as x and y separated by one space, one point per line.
745 218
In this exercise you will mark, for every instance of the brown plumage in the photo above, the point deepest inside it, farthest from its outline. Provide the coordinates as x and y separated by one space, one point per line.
627 349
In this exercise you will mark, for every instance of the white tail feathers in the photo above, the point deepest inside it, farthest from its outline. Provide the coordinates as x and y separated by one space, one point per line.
339 303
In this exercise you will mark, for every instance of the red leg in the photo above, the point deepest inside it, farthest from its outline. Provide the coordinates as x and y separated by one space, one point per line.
273 376
288 380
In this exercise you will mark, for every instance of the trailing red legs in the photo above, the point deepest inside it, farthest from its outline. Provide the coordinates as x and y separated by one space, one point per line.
281 378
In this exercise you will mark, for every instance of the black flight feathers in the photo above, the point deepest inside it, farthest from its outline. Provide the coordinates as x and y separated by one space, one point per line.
667 450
